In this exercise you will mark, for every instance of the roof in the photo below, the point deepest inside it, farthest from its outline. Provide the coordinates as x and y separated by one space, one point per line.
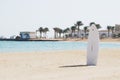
27 32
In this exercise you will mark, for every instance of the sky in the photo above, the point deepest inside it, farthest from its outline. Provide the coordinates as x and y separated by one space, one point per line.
29 15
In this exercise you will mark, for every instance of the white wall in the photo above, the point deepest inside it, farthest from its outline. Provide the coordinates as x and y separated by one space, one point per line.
32 35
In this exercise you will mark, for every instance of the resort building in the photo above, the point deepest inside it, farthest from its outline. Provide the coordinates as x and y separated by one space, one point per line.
76 35
104 34
28 35
13 37
117 29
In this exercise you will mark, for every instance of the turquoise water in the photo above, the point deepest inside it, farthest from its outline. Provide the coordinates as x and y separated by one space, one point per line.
31 46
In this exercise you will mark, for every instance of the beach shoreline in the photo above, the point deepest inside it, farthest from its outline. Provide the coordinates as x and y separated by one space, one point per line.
66 39
101 40
59 65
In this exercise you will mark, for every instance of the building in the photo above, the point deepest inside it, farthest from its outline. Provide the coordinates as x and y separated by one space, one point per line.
117 29
13 37
104 34
75 34
28 35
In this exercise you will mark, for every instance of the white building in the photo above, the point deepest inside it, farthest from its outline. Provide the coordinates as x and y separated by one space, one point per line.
28 35
80 35
104 33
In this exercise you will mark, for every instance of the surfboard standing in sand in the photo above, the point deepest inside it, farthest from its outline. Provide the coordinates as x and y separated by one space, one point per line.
93 45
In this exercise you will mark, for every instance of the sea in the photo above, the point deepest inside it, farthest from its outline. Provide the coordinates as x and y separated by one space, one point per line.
38 46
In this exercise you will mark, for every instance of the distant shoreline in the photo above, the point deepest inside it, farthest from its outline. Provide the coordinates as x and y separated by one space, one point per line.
69 39
28 40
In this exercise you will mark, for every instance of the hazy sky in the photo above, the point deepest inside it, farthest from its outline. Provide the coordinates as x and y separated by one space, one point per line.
29 15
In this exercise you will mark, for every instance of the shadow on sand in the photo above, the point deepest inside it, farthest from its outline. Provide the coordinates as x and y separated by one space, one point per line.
68 66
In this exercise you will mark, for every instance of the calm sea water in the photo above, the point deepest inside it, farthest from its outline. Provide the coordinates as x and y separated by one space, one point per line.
27 46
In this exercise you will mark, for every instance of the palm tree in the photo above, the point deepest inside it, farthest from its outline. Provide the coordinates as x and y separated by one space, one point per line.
55 32
85 30
98 26
58 34
73 28
40 30
45 31
65 31
112 29
36 33
68 29
60 31
108 28
79 23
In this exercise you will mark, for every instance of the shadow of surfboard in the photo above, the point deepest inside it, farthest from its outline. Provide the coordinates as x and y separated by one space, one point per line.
69 66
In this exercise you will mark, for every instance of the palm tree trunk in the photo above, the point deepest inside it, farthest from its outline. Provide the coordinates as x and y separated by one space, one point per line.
74 34
55 34
85 34
59 35
108 33
36 34
40 35
45 35
63 35
78 34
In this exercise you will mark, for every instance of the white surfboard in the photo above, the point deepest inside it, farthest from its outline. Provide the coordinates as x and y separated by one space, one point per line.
93 45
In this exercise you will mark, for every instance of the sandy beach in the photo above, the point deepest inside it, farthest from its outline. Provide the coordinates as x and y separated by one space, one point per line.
59 65
101 40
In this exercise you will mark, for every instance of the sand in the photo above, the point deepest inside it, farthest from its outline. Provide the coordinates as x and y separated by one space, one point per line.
59 65
101 40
